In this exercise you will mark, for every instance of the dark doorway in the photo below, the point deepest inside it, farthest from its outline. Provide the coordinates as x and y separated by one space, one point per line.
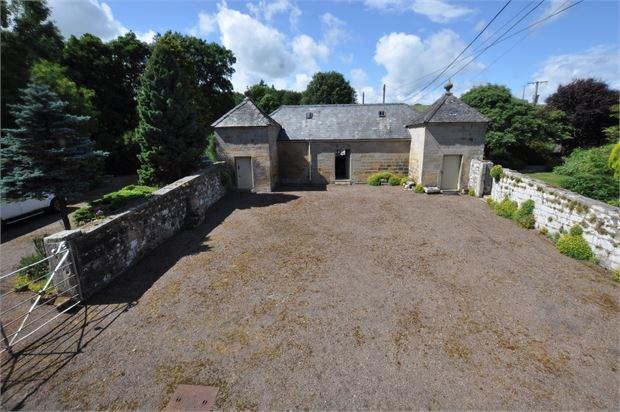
342 164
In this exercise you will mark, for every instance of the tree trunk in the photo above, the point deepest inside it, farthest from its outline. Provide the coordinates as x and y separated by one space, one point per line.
62 209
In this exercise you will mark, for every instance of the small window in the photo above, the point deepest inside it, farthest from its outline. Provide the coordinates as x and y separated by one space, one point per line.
309 115
381 113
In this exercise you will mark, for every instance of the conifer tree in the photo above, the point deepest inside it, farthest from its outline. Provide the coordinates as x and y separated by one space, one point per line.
45 155
168 133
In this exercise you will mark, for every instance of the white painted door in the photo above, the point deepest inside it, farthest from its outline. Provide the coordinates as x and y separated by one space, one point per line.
450 172
244 172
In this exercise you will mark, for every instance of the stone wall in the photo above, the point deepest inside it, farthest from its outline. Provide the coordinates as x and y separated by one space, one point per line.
480 180
104 249
259 143
558 209
365 157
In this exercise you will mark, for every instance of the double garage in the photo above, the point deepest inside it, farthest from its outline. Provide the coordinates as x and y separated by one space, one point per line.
323 144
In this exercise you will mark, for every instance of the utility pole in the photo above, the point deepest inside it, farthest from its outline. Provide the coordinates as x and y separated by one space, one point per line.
363 97
384 94
536 83
523 94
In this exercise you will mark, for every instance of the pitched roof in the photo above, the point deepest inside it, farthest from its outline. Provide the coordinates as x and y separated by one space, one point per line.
245 114
447 109
344 121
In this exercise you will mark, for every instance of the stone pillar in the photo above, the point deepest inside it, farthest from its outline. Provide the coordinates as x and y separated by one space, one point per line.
67 279
480 177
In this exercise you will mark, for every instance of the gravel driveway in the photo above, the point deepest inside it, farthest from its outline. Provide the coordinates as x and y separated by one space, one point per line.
352 298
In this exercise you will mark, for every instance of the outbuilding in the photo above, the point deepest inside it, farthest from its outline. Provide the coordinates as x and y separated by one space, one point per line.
346 143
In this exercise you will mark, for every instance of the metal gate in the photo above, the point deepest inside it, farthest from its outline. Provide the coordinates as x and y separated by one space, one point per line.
33 296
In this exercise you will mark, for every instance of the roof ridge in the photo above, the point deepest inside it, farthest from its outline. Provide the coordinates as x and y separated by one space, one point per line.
341 105
243 103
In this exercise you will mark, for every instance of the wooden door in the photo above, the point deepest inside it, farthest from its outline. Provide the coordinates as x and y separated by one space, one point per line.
244 172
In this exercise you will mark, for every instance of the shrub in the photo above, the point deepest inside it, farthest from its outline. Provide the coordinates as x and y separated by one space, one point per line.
574 246
491 202
394 181
497 172
506 208
617 275
83 215
524 216
419 188
575 231
375 179
471 192
35 274
404 180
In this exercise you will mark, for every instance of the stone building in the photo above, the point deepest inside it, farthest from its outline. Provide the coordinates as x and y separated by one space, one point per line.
321 144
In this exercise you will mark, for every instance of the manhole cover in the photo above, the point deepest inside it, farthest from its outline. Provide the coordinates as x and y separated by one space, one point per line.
192 398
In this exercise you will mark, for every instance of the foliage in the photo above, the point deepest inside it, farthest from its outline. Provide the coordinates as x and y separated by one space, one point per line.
45 154
586 103
574 245
617 275
497 172
112 202
519 132
112 70
506 208
394 180
524 216
268 98
613 132
614 160
404 180
419 107
375 179
28 35
79 99
169 136
550 178
589 173
328 88
207 68
419 188
471 191
211 150
33 278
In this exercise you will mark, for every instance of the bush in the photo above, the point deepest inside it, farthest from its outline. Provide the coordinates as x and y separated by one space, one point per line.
497 172
600 187
35 274
418 188
112 202
574 246
211 150
394 181
506 208
524 216
404 180
617 275
375 179
471 192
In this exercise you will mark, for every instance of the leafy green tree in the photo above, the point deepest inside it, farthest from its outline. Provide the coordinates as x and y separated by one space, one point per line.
27 35
613 132
168 134
518 132
328 88
268 98
208 67
590 174
614 160
45 154
79 99
587 104
112 70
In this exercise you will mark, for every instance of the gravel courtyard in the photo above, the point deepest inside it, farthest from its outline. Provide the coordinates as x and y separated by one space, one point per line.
356 297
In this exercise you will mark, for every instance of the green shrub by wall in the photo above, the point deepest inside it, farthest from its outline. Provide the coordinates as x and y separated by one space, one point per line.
394 181
418 188
574 246
506 208
524 216
375 179
497 172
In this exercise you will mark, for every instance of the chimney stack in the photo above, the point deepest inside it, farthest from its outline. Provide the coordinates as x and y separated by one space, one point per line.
384 94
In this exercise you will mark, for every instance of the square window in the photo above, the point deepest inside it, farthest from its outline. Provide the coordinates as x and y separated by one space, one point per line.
309 115
381 113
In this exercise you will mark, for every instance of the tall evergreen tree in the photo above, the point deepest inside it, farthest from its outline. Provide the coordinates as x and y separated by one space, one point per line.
45 155
168 132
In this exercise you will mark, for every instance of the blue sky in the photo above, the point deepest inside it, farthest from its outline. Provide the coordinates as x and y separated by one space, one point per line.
376 42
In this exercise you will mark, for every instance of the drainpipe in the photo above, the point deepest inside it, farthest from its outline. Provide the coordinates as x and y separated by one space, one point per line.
309 162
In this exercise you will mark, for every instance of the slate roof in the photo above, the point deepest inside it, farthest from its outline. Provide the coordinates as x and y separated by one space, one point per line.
245 114
344 121
448 109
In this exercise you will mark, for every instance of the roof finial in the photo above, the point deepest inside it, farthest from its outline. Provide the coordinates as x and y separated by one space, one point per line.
448 87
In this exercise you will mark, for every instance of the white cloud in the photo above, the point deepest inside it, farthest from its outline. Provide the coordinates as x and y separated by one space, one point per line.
147 37
346 58
265 53
358 77
207 24
411 62
553 6
87 16
601 62
334 30
438 11
267 10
